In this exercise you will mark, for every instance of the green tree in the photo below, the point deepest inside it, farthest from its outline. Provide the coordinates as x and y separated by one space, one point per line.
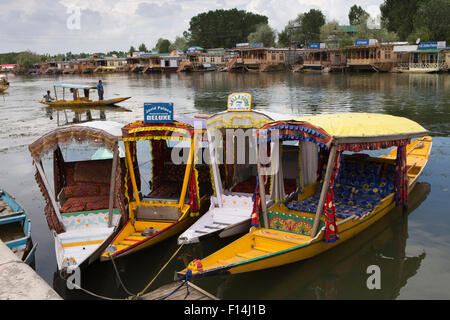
142 48
222 28
328 31
132 49
283 38
398 15
434 15
357 15
180 43
306 27
162 46
263 33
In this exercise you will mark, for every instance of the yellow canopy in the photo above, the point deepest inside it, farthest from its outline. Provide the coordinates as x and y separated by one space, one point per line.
357 125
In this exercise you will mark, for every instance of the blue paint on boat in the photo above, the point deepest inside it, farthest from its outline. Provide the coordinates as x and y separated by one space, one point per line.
18 215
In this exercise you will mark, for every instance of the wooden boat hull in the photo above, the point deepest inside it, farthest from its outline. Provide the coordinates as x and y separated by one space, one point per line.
171 229
15 228
81 103
264 248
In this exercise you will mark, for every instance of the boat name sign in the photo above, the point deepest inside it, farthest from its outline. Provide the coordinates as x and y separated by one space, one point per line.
158 112
240 102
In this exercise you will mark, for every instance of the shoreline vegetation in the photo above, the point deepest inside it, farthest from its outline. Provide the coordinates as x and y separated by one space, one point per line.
406 21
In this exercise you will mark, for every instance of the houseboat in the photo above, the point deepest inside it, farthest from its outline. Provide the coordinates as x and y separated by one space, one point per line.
370 55
201 60
320 58
427 57
256 58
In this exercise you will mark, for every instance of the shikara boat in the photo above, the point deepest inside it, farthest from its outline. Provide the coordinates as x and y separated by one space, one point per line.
86 205
342 190
15 228
4 84
168 197
234 174
80 101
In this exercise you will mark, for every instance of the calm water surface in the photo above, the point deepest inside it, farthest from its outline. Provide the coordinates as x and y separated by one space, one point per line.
412 250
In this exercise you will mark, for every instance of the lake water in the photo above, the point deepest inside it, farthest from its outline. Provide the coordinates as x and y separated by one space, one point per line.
413 251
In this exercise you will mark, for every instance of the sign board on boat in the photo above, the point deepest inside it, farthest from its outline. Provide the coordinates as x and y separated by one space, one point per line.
316 45
432 45
246 44
258 45
158 112
240 102
365 42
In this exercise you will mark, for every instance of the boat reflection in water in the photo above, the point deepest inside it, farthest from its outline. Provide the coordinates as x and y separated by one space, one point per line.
72 115
340 273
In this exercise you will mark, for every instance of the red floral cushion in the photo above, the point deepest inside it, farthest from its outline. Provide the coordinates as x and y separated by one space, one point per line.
93 171
82 190
77 204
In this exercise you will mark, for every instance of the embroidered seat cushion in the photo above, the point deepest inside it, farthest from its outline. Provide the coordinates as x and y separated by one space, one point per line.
77 204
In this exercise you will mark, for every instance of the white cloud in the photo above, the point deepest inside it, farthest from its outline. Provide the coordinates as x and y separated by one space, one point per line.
115 25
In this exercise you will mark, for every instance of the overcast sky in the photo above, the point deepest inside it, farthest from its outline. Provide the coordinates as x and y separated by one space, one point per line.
52 26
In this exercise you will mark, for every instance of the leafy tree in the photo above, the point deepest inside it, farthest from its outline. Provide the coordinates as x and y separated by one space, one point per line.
162 46
434 15
311 23
132 49
222 28
264 34
283 38
328 31
142 48
398 15
422 33
180 43
357 15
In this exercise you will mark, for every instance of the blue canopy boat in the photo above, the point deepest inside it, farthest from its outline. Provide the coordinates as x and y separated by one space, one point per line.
15 228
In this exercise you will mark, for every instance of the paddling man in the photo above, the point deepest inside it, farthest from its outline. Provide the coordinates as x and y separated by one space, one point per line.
100 90
48 97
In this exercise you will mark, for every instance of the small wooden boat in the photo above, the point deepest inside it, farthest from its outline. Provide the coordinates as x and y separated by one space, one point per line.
15 228
80 101
334 202
4 84
234 182
86 205
178 191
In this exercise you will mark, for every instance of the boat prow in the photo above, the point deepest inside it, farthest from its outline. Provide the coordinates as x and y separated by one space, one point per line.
84 103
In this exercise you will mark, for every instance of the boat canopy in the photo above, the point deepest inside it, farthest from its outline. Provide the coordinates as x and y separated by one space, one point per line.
356 127
102 133
74 86
180 129
237 120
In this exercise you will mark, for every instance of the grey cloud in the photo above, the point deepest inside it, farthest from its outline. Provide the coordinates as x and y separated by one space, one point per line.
153 10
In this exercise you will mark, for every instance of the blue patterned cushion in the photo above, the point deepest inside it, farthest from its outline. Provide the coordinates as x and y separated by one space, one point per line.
360 186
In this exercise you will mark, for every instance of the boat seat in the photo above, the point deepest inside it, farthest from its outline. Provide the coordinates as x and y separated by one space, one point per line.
249 186
87 186
360 186
157 213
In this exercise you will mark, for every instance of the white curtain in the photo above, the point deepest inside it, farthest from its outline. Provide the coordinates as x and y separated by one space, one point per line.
309 162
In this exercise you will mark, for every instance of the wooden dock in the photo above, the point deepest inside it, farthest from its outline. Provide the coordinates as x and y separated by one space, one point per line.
195 293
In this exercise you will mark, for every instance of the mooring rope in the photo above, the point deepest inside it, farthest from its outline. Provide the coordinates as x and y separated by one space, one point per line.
151 282
185 282
118 276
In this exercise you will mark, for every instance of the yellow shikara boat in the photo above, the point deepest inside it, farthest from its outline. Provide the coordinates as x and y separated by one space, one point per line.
177 192
340 195
4 84
80 102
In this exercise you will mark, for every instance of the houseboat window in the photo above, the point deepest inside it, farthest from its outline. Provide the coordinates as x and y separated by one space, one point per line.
212 59
281 57
274 57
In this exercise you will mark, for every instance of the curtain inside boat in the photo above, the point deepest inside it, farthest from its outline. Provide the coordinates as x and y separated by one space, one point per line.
309 162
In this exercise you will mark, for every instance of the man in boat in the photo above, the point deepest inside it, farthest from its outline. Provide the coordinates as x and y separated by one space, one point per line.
75 95
100 90
48 97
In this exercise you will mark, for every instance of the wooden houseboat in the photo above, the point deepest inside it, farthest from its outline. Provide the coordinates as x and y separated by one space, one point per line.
369 55
427 57
201 60
256 58
320 58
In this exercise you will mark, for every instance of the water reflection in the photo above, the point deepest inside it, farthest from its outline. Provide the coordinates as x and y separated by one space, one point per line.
340 273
